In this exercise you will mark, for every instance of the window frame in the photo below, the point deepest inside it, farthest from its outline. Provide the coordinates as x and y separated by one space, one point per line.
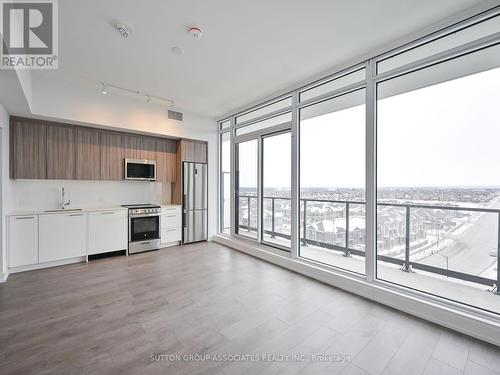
370 84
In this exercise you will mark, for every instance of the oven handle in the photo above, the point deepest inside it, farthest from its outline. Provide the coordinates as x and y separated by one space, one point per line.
144 215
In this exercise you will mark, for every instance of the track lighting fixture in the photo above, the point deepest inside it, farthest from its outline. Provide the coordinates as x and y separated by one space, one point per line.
149 97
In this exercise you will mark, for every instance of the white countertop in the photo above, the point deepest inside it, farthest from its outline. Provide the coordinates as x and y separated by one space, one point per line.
68 210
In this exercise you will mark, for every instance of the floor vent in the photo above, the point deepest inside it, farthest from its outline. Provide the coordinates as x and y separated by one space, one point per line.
174 115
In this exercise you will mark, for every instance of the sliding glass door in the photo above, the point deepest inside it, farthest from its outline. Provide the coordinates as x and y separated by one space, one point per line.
246 188
263 181
276 189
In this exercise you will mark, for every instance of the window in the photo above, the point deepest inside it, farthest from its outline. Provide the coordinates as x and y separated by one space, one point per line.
334 84
267 123
225 183
332 181
225 125
246 188
262 111
438 188
433 129
452 40
276 188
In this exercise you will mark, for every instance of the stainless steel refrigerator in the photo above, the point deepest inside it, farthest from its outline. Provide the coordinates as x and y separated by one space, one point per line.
194 202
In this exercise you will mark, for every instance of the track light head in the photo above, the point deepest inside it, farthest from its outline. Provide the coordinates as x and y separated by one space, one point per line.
104 89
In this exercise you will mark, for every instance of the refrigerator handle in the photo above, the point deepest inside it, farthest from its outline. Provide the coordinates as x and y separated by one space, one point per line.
185 201
184 219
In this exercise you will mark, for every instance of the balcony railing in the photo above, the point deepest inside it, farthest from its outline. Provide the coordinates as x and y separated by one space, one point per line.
405 263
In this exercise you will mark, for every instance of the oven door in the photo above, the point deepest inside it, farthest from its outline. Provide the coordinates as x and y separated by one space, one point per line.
145 227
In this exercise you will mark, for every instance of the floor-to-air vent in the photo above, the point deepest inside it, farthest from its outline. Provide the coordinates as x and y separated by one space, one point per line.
174 115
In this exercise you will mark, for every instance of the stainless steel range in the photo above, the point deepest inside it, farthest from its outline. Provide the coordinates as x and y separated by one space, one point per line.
143 227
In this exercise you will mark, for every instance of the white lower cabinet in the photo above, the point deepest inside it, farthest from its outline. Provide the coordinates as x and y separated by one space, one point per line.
23 240
108 231
62 236
171 225
171 235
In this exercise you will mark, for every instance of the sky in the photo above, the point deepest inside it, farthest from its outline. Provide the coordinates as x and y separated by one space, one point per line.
443 135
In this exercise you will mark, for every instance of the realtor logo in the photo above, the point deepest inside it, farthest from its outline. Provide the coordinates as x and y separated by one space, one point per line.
29 31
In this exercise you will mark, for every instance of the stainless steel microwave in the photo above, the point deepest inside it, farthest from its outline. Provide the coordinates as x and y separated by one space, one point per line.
140 169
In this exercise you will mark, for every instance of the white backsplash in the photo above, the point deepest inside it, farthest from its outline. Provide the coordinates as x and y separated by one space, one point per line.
46 194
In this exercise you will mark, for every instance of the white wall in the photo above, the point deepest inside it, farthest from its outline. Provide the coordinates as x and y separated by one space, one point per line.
43 194
85 104
4 187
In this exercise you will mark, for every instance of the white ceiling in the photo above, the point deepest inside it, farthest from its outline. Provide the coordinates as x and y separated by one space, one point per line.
250 49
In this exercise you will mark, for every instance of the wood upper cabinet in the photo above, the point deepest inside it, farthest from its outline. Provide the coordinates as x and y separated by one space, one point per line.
132 145
139 147
67 152
88 154
166 160
148 148
194 151
28 148
61 152
112 156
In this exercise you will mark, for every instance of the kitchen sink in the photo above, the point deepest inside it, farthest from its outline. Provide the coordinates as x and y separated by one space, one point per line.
64 210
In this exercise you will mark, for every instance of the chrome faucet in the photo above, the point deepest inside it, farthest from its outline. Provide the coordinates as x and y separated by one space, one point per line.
64 203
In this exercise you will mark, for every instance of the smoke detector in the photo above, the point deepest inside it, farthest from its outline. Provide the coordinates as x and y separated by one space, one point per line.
195 32
124 29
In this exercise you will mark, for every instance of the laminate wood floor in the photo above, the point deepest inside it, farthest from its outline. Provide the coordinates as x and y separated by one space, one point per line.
144 313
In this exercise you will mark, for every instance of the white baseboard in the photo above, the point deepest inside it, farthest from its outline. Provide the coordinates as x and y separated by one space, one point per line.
4 276
38 266
485 327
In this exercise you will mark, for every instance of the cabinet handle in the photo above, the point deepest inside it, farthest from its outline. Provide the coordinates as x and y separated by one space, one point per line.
25 217
171 230
171 215
107 213
76 214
